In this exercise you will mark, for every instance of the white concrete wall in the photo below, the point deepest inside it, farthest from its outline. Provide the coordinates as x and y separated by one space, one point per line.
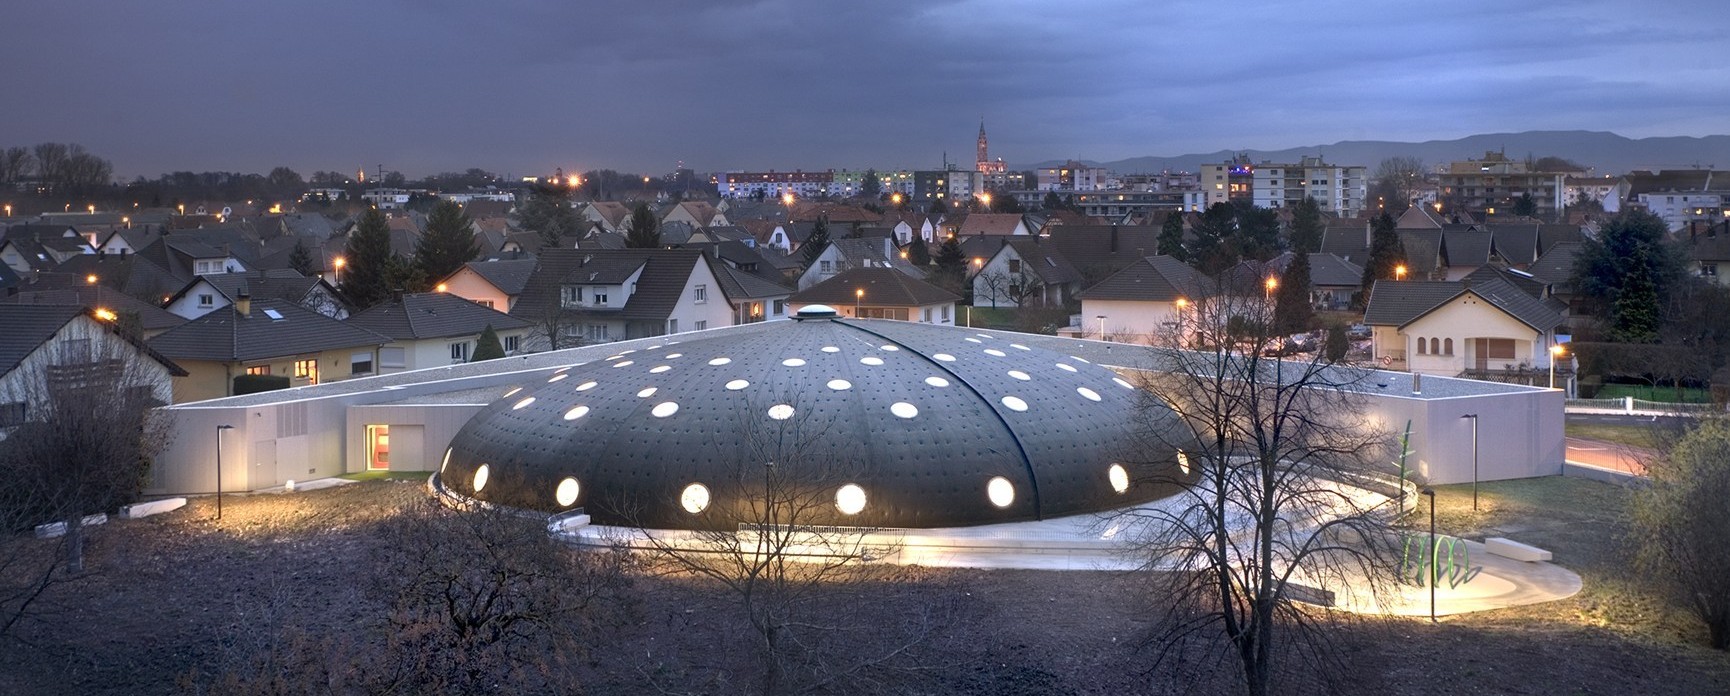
1138 321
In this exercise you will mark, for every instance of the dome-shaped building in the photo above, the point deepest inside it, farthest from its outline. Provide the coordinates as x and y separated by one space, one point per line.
892 424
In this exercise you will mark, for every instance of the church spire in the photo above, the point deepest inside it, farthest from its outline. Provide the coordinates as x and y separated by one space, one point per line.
982 154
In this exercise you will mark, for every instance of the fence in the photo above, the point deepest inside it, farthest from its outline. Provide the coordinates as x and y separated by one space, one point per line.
1630 405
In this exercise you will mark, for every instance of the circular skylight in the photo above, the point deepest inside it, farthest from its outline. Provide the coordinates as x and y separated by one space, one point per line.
675 356
586 386
737 384
512 392
1088 394
793 362
850 499
971 339
868 360
780 412
937 381
996 353
481 475
520 405
1018 346
695 498
1119 477
720 361
576 413
831 349
624 363
1014 403
904 409
840 384
660 369
1000 491
646 393
1067 368
664 409
890 348
1020 375
567 491
1120 382
1080 360
447 460
557 377
1183 462
945 357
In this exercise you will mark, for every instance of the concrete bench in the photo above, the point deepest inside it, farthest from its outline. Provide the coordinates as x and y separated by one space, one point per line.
154 507
1508 548
58 529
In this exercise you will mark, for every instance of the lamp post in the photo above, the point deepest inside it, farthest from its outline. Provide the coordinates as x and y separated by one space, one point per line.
1474 418
969 316
219 430
1271 283
1431 554
339 262
1101 319
1400 272
1555 352
858 295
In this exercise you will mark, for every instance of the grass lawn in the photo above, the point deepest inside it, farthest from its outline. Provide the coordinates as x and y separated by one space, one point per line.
1662 394
387 476
988 317
1644 436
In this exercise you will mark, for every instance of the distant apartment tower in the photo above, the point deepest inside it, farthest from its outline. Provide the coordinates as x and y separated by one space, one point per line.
1337 189
773 184
1228 181
1072 176
1492 184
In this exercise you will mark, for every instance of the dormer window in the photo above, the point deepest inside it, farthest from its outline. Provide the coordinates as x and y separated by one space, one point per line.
573 295
207 300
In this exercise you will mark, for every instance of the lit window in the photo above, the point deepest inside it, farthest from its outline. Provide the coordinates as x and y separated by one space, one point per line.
481 475
306 369
258 370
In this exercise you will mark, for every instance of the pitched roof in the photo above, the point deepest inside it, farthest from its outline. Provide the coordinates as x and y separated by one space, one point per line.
659 286
612 213
1349 242
510 277
989 224
1044 261
1556 266
432 315
1398 303
1327 270
874 251
277 284
1517 244
1423 249
1464 247
28 326
1154 279
224 336
884 287
1551 235
1105 246
743 285
150 316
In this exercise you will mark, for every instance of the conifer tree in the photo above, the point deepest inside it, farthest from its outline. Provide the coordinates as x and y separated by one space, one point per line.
368 255
1292 311
449 241
300 259
1171 237
814 244
918 253
1306 227
645 232
487 347
1387 252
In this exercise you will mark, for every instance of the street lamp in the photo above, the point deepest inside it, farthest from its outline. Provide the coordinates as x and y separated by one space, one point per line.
1555 352
339 262
1400 272
1474 418
1431 555
1101 319
858 294
219 430
1271 283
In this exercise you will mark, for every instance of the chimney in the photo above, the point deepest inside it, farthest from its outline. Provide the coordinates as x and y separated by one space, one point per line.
243 304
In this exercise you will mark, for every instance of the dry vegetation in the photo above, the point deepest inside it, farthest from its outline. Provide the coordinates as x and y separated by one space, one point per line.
286 586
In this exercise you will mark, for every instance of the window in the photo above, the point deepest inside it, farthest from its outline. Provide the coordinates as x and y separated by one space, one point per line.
206 300
393 357
780 307
1448 346
13 414
513 344
1421 345
258 370
1435 345
1709 270
307 370
700 294
672 326
360 364
1015 265
826 266
460 351
485 303
927 318
600 297
702 324
573 295
945 314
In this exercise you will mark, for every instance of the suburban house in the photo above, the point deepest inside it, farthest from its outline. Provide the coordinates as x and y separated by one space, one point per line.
1140 303
1333 280
265 337
494 284
1098 251
694 213
880 293
992 224
1455 328
754 297
152 320
58 346
611 216
843 254
208 293
1025 271
1707 251
430 329
601 295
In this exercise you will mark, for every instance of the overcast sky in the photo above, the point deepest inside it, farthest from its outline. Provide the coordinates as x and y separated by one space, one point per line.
518 87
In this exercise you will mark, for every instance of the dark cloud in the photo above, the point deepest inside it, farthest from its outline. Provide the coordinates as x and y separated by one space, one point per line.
521 86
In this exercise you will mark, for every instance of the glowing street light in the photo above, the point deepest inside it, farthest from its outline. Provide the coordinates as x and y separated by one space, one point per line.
91 208
1555 354
8 210
339 262
787 199
1270 284
105 314
858 294
986 199
1400 272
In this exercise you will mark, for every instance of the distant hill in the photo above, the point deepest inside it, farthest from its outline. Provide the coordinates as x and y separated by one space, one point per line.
1604 152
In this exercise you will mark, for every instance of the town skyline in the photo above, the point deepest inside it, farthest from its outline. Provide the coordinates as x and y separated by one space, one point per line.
521 88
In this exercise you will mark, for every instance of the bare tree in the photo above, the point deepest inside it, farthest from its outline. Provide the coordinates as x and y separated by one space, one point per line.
990 286
1022 289
15 164
1275 449
1679 531
83 446
1396 183
775 541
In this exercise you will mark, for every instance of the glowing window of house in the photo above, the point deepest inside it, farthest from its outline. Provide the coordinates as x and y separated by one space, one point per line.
307 370
377 447
258 370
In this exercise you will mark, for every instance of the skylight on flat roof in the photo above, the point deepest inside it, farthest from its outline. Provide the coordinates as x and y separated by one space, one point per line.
273 314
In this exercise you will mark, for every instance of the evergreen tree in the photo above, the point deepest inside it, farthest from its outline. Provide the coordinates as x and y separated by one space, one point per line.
1634 315
872 186
918 253
938 207
1211 252
1525 206
1171 237
368 253
404 276
449 241
1606 262
1004 202
300 259
645 232
1387 252
813 245
487 347
1306 227
1292 311
951 265
1338 344
1257 233
1051 201
548 214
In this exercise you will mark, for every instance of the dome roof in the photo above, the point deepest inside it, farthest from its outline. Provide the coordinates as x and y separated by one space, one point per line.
889 423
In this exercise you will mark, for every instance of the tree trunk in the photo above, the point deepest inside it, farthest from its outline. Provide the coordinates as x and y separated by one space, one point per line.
75 544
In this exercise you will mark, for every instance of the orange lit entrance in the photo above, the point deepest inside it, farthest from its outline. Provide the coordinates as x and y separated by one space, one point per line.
377 447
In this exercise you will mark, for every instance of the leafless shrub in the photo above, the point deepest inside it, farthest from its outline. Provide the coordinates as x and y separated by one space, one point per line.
1679 531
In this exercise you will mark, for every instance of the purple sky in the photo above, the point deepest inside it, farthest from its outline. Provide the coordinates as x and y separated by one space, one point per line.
521 87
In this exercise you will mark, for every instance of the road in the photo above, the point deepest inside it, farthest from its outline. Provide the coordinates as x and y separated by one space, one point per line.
1613 455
